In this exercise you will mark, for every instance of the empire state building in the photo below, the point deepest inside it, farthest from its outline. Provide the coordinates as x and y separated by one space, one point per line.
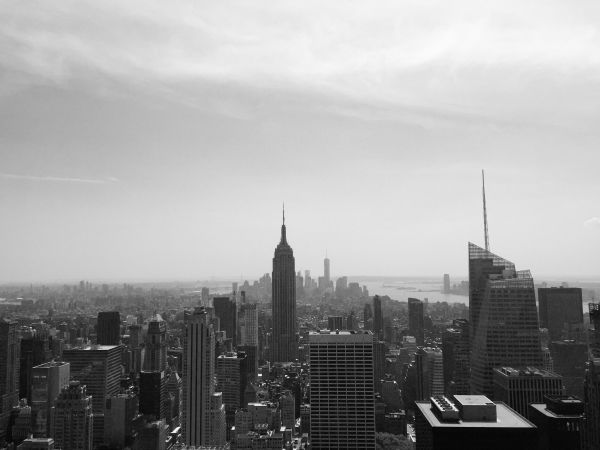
284 346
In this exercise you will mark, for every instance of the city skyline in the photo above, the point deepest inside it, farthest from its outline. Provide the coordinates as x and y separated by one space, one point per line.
129 155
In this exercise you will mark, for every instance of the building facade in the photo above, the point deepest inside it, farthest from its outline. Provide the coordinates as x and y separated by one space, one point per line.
342 405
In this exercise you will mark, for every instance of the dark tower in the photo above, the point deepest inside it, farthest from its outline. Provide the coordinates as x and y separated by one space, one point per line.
377 318
284 301
109 328
416 320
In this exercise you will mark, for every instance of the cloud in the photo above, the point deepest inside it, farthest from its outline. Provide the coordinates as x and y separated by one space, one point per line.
592 223
13 176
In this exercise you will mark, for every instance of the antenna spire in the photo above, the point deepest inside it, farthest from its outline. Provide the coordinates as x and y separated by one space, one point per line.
485 224
284 213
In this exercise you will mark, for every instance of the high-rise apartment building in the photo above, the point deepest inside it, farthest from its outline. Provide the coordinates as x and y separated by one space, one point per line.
416 320
99 368
48 380
342 405
72 418
503 315
109 328
226 310
198 375
456 354
377 317
522 386
248 320
284 346
9 371
155 356
561 312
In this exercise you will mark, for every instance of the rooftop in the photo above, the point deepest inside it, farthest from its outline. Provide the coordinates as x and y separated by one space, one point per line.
506 417
525 372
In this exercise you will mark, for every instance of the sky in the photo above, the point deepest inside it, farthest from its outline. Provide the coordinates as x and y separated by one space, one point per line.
152 140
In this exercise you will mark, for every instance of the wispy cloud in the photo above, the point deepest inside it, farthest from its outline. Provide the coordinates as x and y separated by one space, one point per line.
592 223
14 176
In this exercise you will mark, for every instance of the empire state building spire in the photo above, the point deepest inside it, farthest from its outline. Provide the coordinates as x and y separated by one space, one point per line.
284 346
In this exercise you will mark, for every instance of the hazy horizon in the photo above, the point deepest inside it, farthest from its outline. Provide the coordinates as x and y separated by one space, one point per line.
152 140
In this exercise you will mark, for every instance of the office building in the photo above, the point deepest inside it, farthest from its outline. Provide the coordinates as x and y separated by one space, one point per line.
446 288
121 420
198 374
471 422
35 350
153 401
218 423
377 318
72 418
335 323
48 380
9 371
283 345
232 377
342 403
430 372
155 354
504 325
416 320
109 328
153 436
569 360
591 386
248 320
561 312
326 272
98 367
559 422
456 355
226 310
368 317
522 386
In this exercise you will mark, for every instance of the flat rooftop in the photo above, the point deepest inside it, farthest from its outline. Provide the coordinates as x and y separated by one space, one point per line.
525 372
541 407
506 418
340 336
92 347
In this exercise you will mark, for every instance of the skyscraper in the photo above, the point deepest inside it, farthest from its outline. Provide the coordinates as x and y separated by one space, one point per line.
9 371
109 328
342 404
591 387
226 311
561 311
503 318
284 347
520 387
456 353
72 418
430 372
416 320
326 272
99 368
232 376
48 380
198 375
155 358
446 289
377 317
248 320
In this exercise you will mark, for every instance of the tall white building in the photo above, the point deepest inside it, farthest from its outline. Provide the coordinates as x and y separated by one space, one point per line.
198 375
342 401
